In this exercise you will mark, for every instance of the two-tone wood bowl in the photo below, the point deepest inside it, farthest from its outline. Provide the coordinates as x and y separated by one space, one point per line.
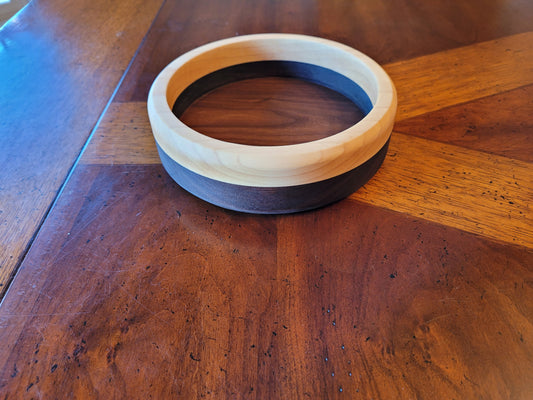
272 179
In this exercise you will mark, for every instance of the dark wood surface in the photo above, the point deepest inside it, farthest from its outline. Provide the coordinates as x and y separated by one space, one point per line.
418 286
59 66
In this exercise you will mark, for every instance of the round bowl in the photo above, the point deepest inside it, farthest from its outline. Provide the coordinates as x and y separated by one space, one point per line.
272 179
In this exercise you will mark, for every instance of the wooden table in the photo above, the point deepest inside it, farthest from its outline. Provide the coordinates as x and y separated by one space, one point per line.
420 285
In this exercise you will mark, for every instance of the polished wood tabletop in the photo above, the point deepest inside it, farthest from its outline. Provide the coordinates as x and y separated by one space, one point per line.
117 283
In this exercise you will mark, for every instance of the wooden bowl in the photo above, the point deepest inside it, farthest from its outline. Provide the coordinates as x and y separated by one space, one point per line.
272 179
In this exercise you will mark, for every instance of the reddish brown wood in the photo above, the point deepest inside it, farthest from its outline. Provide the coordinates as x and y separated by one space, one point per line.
384 32
479 124
403 31
59 66
134 288
274 111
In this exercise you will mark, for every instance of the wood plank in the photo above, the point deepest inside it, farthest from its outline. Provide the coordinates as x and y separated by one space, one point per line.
478 192
481 124
169 296
53 56
393 307
432 82
197 253
405 30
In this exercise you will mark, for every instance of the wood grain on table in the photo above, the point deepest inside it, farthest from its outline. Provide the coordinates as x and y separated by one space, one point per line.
59 65
418 286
